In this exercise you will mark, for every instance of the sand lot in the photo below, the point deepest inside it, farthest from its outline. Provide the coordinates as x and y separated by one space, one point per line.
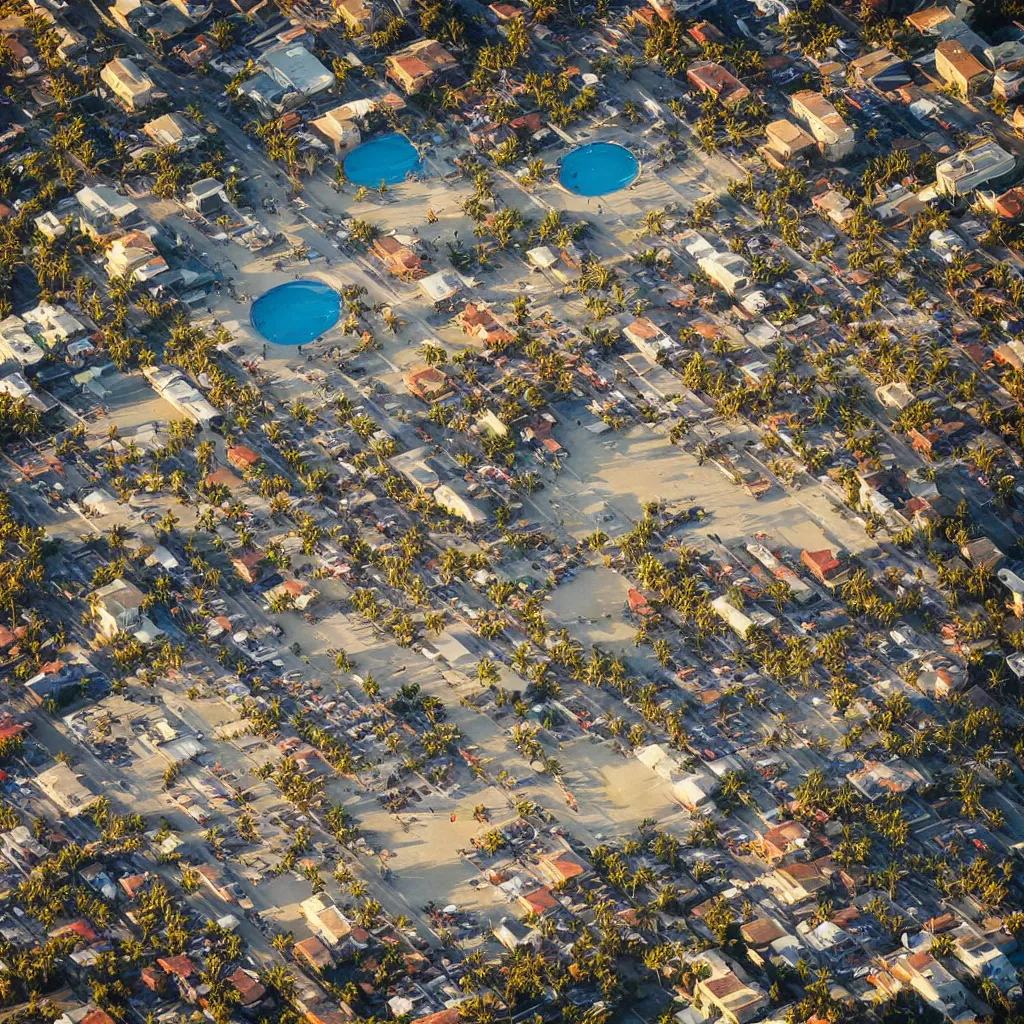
616 474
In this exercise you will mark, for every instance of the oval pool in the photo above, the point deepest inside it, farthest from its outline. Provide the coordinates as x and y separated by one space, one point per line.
295 313
598 168
388 158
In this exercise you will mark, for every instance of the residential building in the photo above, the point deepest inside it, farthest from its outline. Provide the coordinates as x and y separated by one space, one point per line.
193 10
16 343
49 225
1008 83
714 80
441 288
759 935
313 953
357 15
977 167
134 255
895 395
833 206
15 385
21 849
213 878
243 458
695 792
512 934
787 140
740 621
833 945
338 128
728 270
117 606
428 384
173 130
563 866
249 988
879 780
983 960
206 196
172 385
249 565
648 338
959 68
1001 55
417 66
834 136
295 68
288 77
781 840
932 982
102 210
479 322
802 593
416 467
324 918
61 785
454 498
826 568
53 325
400 260
737 1001
131 86
793 884
882 70
144 19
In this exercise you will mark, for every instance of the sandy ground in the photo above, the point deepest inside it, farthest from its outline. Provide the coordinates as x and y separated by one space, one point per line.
619 473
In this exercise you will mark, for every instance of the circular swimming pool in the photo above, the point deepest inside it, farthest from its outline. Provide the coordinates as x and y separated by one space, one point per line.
598 168
295 313
388 158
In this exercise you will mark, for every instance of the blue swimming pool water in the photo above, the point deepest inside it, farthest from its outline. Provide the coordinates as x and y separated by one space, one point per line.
388 158
598 168
296 312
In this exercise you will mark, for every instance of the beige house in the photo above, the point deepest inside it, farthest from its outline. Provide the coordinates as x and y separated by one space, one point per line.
355 14
133 87
338 128
134 254
326 920
736 1000
62 786
173 130
787 140
118 607
834 136
415 67
959 68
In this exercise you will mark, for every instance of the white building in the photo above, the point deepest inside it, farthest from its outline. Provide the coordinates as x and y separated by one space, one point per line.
49 225
172 385
729 270
53 324
973 168
459 505
118 607
16 343
15 385
981 958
